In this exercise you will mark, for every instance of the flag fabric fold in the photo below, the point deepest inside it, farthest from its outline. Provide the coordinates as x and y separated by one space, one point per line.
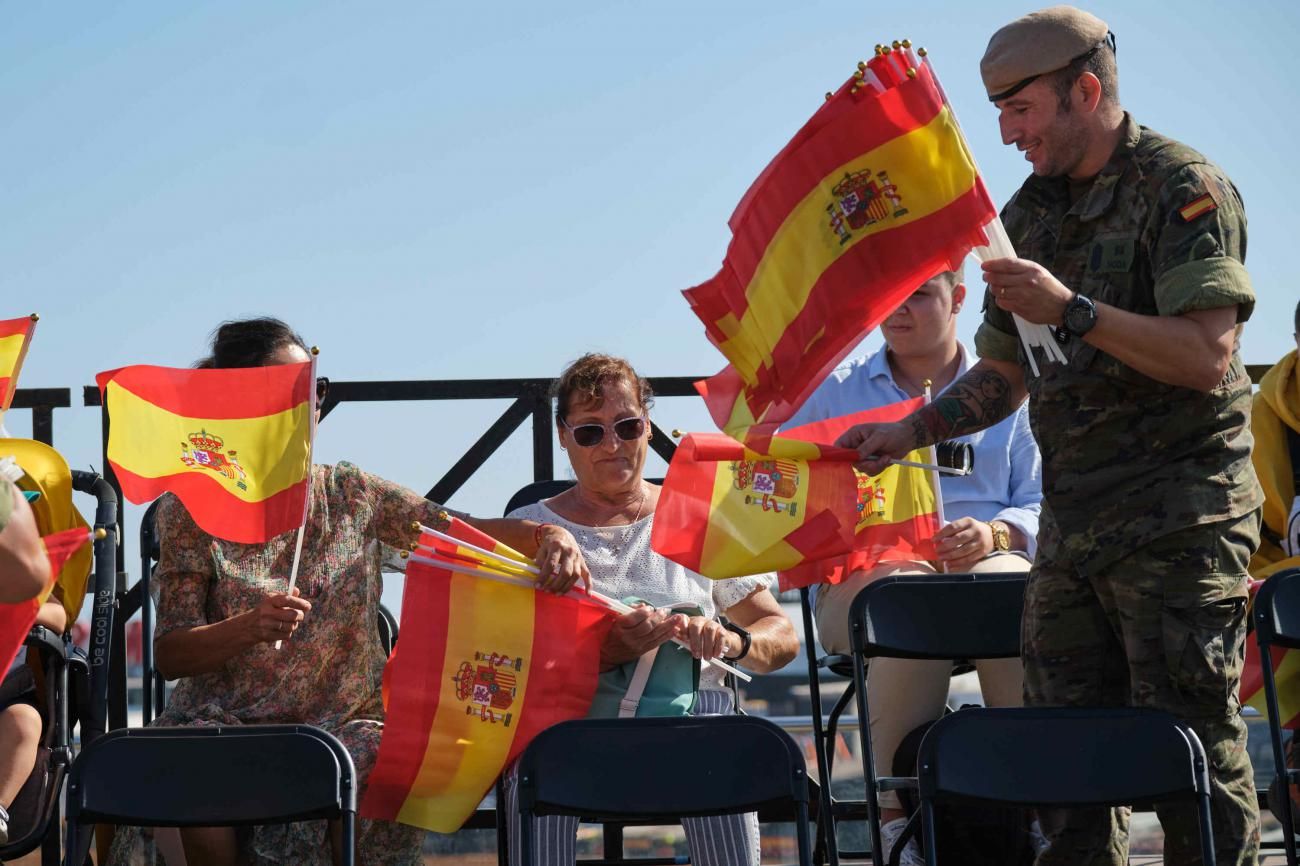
728 511
482 667
233 444
876 194
16 619
15 337
896 511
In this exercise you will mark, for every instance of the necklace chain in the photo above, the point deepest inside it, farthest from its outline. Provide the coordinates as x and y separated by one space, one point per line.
597 530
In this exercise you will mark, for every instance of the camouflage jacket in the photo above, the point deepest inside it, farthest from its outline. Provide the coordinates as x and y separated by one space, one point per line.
1127 459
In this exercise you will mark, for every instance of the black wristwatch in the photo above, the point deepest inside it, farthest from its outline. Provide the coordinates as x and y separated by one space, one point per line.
1080 315
744 640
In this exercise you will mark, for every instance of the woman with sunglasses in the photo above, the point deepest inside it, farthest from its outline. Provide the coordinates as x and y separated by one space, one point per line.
601 418
222 607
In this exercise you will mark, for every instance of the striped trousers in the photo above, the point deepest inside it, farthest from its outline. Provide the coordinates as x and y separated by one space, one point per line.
718 840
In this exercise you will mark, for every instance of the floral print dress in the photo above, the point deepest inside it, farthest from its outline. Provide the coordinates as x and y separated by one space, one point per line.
329 673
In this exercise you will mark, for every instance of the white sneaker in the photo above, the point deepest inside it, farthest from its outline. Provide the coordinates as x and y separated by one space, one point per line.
889 833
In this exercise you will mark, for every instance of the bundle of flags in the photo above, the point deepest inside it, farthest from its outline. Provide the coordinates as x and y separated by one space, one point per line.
873 196
485 663
799 508
234 445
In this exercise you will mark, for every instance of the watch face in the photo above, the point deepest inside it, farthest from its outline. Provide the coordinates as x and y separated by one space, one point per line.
1080 316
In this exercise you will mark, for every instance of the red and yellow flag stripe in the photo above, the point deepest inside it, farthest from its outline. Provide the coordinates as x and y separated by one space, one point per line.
804 279
726 511
897 510
481 668
234 444
15 337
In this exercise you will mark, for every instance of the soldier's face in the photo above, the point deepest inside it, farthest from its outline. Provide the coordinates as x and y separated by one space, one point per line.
613 464
1053 140
927 321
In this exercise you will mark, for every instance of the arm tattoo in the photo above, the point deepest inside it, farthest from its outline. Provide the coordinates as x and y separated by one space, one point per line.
975 402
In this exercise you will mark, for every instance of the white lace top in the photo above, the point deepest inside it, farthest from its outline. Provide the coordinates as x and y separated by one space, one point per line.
622 564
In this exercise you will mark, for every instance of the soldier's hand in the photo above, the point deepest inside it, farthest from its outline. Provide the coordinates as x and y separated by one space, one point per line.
878 444
1027 289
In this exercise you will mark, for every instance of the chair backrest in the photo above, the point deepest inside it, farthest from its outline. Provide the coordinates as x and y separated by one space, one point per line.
1062 757
202 776
388 630
1277 609
682 766
940 616
536 492
539 490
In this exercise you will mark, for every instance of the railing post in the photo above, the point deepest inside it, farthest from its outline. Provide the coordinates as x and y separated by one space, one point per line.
543 449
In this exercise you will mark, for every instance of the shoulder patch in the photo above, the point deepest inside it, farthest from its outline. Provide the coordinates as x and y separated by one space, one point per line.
1198 206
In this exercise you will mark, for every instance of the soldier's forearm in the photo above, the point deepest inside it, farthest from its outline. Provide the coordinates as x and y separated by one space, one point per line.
989 392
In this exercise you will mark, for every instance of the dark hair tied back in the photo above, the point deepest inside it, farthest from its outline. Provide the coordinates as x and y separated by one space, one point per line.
249 343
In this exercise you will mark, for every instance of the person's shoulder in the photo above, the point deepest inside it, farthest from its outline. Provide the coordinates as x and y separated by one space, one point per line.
1168 165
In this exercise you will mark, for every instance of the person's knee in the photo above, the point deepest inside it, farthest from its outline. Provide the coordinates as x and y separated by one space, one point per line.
21 724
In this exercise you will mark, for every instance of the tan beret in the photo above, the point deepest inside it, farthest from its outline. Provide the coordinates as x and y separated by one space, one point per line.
1038 43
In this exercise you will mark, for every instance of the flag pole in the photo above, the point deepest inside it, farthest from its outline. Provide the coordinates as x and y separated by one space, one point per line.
306 507
934 476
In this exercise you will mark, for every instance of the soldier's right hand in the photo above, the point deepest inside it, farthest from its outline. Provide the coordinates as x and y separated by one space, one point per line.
637 632
878 444
277 616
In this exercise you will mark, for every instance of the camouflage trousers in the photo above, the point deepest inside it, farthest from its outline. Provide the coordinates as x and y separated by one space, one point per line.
1164 627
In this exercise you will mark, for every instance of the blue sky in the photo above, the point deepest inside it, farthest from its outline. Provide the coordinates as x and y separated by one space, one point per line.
468 190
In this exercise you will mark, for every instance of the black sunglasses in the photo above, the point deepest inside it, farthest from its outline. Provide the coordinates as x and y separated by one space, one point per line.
322 388
589 435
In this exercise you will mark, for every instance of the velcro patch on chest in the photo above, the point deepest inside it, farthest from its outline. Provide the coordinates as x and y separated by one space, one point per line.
1112 255
1198 206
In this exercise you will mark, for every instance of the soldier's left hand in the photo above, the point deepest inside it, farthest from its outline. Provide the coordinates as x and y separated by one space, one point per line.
1027 289
559 559
963 543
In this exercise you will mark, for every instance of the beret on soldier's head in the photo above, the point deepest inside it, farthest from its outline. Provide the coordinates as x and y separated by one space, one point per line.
1041 42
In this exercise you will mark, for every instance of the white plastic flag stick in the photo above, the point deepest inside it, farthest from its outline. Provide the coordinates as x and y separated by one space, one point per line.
603 600
934 477
306 511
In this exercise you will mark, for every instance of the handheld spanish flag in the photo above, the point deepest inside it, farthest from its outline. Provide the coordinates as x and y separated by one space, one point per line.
482 667
16 619
875 195
234 445
897 511
15 337
727 511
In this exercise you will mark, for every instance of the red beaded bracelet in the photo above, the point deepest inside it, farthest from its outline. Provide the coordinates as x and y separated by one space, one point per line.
537 533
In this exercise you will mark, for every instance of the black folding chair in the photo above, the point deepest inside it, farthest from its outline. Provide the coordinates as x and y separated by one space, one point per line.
1063 757
153 777
1277 624
716 765
927 616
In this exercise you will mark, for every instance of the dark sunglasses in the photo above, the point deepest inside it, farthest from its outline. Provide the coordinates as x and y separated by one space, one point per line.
322 388
588 435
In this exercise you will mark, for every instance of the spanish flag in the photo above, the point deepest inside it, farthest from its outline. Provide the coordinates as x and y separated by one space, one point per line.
481 668
876 194
234 444
897 510
727 511
1286 674
16 619
15 337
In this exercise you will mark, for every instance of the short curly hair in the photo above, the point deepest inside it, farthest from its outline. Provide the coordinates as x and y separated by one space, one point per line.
586 378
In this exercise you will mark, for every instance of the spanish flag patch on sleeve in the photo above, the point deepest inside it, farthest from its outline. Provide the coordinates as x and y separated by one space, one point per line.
1197 207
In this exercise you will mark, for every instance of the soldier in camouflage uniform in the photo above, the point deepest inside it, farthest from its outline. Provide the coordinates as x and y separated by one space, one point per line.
1132 245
